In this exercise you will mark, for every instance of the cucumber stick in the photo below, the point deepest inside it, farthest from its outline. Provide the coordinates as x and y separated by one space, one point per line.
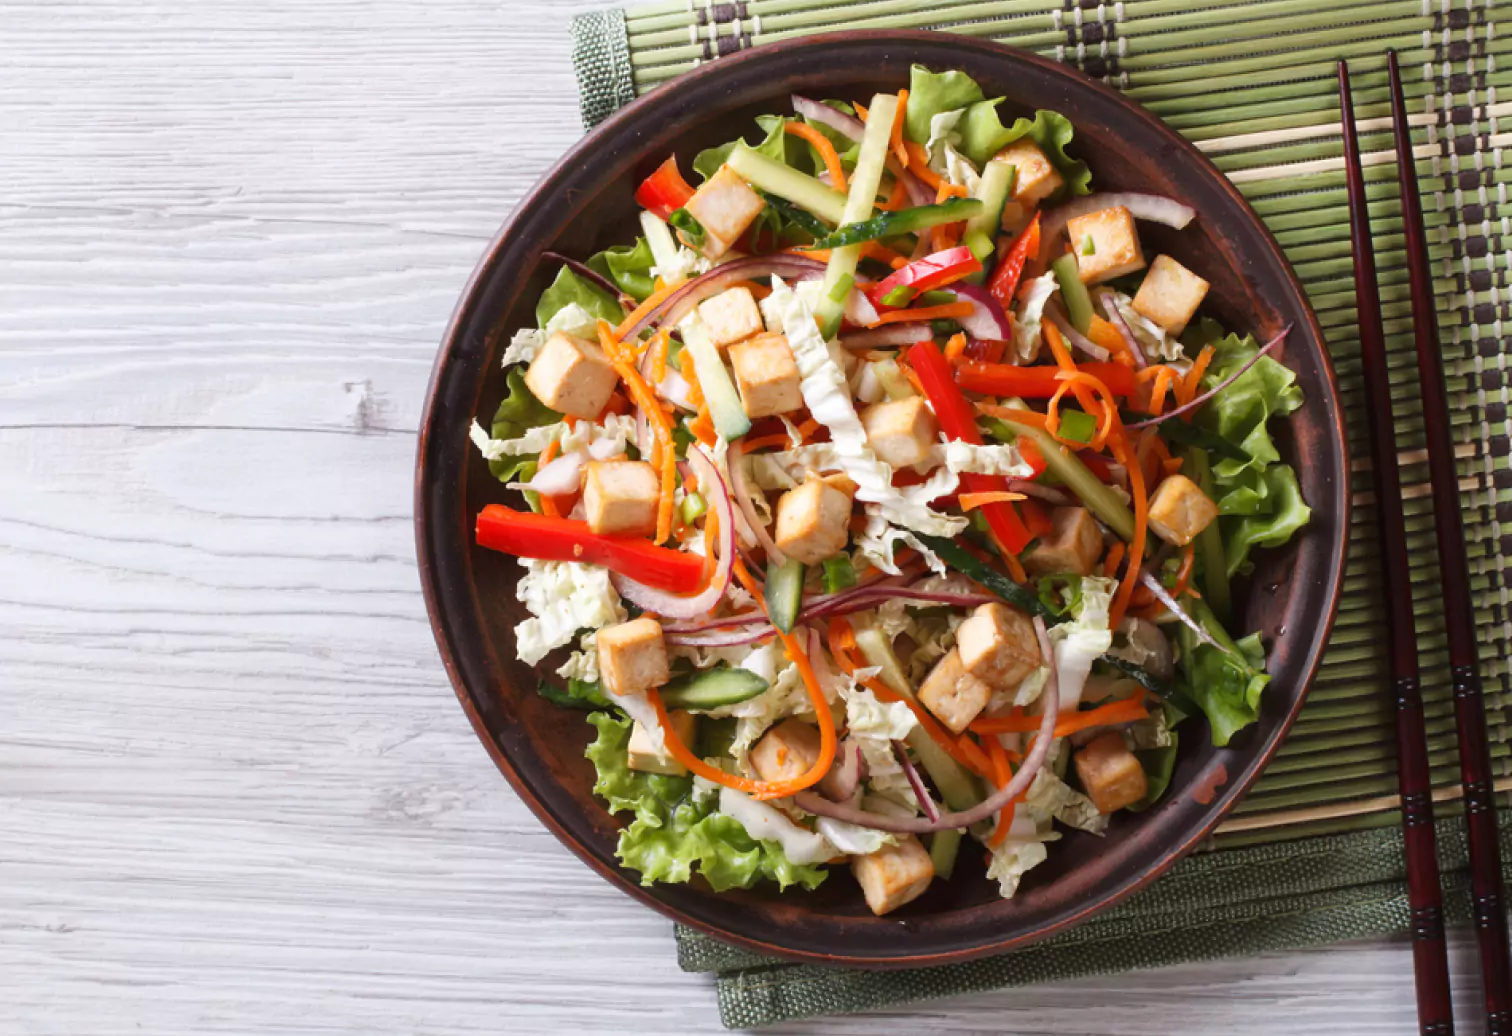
784 593
996 185
1100 500
659 237
864 182
729 415
1073 292
764 174
712 688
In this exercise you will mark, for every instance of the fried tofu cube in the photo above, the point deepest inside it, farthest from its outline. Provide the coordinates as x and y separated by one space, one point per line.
572 376
893 875
1074 544
1179 510
620 497
901 431
813 521
646 757
998 646
1106 244
1170 294
724 207
1035 179
632 656
954 696
731 316
1110 773
785 751
767 375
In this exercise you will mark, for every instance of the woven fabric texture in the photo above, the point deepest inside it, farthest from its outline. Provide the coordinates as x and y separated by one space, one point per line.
1314 850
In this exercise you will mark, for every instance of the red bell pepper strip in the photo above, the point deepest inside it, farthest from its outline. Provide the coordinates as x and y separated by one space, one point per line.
1004 379
664 191
1032 456
926 274
528 535
1005 280
958 421
1096 464
1036 518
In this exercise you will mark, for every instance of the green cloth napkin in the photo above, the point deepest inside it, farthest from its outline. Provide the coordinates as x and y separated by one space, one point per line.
1313 854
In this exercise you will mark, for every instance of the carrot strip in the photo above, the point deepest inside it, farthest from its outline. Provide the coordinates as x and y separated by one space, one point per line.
779 441
880 252
971 501
1002 773
623 359
548 505
1158 393
821 144
1187 391
656 298
895 138
660 346
1125 456
949 310
956 347
1124 710
897 198
1114 559
1028 418
979 760
1063 360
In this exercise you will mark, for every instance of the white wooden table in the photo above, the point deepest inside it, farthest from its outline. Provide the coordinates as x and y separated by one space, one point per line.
236 792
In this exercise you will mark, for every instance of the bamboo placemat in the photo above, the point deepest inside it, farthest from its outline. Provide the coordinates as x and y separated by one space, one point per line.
1252 84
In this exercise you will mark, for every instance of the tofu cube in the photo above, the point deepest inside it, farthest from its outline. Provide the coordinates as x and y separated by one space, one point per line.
901 431
785 751
632 656
620 497
813 521
1074 544
725 207
767 375
1170 294
952 694
893 875
1110 773
644 754
572 376
1179 510
731 316
998 646
1035 179
1114 242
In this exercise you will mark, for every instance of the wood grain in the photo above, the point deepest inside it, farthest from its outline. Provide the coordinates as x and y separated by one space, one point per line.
236 793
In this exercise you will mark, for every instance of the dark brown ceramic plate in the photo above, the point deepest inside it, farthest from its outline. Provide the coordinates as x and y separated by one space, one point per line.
584 204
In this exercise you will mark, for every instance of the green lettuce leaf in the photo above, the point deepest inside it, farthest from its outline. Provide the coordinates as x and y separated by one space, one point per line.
578 694
775 145
628 267
1285 513
930 95
675 830
1226 685
519 411
569 287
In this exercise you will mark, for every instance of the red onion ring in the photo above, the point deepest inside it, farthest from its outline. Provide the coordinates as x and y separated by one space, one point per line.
593 277
1210 393
872 598
844 777
987 319
739 619
1110 306
1155 208
920 194
1154 585
748 509
834 118
884 337
900 752
675 306
722 638
1049 494
675 606
1075 337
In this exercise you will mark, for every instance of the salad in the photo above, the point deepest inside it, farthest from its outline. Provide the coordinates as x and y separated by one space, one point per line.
884 493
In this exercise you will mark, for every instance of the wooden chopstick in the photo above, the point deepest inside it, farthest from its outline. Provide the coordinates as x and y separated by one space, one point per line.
1425 895
1489 902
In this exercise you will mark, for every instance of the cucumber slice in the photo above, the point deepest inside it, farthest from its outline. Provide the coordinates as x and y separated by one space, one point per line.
784 593
729 415
712 688
905 221
864 181
764 174
982 229
944 846
1073 292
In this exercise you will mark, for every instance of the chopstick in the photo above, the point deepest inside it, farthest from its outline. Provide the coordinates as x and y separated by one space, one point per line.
1430 963
1488 897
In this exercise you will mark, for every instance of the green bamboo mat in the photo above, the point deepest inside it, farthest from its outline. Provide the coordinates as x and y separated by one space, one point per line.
1314 851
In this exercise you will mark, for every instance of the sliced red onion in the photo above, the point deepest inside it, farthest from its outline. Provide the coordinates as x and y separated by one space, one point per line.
886 336
592 276
1075 337
747 509
859 309
674 388
724 622
1210 393
874 597
840 784
921 792
1156 208
557 478
834 118
677 305
1154 585
722 638
1110 306
920 194
987 319
1038 750
676 606
1047 653
1049 494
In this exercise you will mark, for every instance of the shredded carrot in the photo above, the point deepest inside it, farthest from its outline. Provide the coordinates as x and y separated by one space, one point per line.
1028 418
758 291
951 310
955 348
1107 410
971 501
1124 710
1163 381
1005 822
822 254
1125 456
807 429
880 252
659 348
821 144
1103 333
702 428
977 759
897 198
1114 559
656 298
767 442
622 357
1183 579
918 164
861 112
895 138
548 505
1002 773
1187 390
1063 360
